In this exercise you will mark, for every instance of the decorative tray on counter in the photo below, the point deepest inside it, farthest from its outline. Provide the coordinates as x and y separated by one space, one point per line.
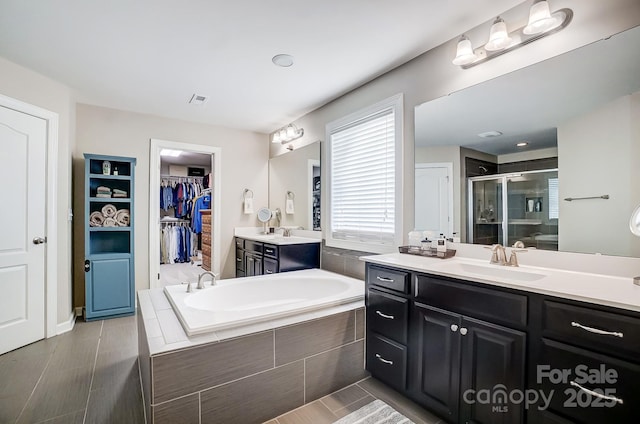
432 253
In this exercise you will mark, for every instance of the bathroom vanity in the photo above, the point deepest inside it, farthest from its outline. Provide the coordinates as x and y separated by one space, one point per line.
270 254
464 339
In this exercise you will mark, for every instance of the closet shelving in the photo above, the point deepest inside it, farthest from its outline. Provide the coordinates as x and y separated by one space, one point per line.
109 245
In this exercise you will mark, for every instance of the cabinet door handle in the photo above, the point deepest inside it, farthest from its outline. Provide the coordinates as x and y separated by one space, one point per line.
454 328
463 331
238 260
596 331
596 394
381 359
269 271
386 280
384 315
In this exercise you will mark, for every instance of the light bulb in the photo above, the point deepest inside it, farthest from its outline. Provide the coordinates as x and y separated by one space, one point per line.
464 53
291 132
540 19
498 36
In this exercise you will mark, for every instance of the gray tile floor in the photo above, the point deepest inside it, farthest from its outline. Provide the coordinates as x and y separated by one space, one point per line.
90 375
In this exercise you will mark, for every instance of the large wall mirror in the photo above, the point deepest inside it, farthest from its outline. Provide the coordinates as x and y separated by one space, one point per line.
294 187
548 155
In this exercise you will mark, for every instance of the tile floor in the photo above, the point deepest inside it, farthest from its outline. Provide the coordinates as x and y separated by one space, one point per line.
90 376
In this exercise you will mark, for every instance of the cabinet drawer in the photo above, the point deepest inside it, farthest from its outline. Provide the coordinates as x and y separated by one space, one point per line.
270 266
388 278
477 302
270 250
253 246
608 332
387 361
239 243
206 228
206 238
206 252
575 403
206 263
387 315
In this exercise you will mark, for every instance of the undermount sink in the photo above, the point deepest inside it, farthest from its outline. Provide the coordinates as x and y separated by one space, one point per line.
496 271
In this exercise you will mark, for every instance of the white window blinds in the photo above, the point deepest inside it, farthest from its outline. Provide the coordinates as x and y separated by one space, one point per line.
554 210
362 204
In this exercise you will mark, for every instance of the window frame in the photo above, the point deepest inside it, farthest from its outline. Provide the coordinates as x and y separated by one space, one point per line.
396 103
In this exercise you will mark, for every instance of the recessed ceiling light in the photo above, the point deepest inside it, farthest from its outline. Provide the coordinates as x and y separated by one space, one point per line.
522 144
169 152
283 60
490 134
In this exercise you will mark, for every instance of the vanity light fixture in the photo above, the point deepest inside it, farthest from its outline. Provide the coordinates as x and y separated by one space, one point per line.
541 23
287 134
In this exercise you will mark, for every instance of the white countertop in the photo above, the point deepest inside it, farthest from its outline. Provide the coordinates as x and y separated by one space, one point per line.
618 292
297 236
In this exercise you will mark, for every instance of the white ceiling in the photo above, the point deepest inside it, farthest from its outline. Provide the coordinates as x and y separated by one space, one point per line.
529 104
150 56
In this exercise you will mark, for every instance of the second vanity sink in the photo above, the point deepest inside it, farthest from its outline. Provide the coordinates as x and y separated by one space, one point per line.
495 271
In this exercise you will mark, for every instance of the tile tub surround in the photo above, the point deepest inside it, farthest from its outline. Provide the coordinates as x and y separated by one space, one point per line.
244 378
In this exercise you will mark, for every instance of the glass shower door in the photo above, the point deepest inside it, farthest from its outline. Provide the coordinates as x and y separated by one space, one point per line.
486 211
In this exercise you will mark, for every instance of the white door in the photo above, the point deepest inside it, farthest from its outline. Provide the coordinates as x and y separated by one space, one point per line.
23 141
434 197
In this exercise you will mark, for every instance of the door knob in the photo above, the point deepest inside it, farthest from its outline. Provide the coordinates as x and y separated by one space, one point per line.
39 240
454 327
463 331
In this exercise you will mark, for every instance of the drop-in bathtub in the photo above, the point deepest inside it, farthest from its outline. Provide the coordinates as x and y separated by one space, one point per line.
242 301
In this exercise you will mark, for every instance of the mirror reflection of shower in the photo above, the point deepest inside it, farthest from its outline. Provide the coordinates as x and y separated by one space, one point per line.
523 206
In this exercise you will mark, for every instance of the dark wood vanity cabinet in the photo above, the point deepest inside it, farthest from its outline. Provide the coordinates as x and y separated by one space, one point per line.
259 258
441 341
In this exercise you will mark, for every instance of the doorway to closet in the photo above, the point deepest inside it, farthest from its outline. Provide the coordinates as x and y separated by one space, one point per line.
184 212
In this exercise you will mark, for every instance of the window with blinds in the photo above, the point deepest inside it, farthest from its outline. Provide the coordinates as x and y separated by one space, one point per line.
363 186
554 209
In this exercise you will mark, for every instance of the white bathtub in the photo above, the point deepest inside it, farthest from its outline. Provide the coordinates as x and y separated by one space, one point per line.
241 301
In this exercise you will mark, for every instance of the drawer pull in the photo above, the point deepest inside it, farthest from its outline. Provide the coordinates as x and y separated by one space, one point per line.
596 331
269 271
596 394
463 331
384 279
269 251
384 315
238 259
454 327
381 359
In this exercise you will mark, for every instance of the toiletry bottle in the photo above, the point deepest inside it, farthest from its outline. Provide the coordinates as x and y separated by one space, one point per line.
115 170
441 243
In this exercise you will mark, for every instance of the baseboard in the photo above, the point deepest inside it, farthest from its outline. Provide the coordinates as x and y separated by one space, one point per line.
79 311
65 327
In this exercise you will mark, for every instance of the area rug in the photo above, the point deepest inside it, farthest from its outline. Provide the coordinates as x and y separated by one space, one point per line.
376 412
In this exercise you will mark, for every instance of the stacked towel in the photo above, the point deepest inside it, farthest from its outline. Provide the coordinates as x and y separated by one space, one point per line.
103 191
109 211
122 218
119 193
96 219
110 222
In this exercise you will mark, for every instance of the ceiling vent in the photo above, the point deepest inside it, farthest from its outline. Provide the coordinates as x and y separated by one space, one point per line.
198 100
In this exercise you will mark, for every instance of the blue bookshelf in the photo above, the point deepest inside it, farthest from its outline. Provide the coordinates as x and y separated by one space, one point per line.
108 242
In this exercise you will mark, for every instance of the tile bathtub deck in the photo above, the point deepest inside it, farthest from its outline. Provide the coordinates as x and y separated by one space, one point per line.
90 375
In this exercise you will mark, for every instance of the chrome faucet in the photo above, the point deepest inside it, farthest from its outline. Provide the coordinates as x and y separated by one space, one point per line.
201 283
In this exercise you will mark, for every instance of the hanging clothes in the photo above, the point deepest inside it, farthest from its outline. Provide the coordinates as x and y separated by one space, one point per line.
176 244
200 203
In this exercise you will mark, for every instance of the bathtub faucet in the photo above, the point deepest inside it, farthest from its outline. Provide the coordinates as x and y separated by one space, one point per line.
201 283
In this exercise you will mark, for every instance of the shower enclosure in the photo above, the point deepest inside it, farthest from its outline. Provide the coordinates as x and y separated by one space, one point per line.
522 206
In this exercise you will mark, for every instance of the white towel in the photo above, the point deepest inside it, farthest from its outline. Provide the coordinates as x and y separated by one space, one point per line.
96 219
289 208
110 222
109 211
122 217
248 205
